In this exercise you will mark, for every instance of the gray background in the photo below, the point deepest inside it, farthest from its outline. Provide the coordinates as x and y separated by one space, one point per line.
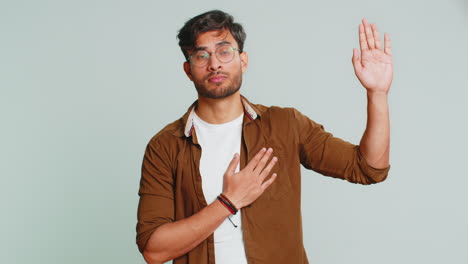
85 85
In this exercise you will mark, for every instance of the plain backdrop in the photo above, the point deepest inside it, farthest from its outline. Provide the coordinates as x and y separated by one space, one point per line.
85 85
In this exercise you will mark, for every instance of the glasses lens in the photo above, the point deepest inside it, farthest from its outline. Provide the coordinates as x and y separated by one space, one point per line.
200 58
225 53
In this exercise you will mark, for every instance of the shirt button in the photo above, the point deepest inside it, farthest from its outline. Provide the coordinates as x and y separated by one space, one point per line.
210 240
198 178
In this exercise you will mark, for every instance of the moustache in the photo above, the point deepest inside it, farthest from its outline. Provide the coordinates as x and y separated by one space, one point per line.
216 73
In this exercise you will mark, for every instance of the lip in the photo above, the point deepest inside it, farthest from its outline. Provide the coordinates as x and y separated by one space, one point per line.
217 78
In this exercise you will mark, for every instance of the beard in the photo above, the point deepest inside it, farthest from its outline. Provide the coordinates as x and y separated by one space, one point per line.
219 92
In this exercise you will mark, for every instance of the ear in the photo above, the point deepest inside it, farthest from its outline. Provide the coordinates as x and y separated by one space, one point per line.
188 71
244 61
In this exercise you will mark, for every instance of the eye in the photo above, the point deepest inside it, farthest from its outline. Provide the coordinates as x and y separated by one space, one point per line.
201 55
225 51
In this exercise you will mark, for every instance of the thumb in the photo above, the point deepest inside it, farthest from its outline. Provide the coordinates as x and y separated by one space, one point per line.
233 165
356 61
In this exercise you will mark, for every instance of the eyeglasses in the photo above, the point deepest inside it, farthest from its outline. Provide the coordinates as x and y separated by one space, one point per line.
200 58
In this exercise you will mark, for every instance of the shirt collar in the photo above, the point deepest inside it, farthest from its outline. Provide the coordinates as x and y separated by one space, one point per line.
250 111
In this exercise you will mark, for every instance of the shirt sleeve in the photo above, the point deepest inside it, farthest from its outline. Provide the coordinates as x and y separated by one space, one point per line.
322 152
156 204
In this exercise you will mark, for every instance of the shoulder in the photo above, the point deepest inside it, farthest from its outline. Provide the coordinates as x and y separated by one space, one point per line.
287 119
164 146
277 112
168 136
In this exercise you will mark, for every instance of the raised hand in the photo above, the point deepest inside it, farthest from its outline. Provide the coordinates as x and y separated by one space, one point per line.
374 66
244 187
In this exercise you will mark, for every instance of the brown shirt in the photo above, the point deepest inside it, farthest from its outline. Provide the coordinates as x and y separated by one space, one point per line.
171 188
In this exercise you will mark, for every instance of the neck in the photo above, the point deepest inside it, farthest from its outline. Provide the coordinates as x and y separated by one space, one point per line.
219 111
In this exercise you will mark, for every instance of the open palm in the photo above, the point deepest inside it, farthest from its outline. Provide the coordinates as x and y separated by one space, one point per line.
374 66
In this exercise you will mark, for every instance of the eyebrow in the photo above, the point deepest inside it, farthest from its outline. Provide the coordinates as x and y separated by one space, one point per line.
221 43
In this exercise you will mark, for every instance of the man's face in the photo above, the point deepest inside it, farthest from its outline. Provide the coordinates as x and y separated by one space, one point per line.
217 79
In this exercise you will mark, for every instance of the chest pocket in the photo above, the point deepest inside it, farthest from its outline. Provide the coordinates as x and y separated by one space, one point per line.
262 133
281 187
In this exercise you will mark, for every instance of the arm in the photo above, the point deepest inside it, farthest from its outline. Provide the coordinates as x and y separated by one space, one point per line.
374 69
174 239
375 142
367 163
331 156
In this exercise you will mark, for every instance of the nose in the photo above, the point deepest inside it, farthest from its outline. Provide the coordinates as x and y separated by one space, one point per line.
213 63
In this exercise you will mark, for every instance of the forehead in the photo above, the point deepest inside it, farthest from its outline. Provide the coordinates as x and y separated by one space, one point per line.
210 39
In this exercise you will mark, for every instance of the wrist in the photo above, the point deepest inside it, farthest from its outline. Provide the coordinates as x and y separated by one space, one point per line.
376 94
226 202
379 98
232 199
225 211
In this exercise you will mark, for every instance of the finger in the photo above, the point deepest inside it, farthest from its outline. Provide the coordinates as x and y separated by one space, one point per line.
253 163
369 36
362 38
268 182
268 168
261 164
356 60
388 46
233 165
375 32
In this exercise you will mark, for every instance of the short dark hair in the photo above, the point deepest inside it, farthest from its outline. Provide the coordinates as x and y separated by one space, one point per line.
208 21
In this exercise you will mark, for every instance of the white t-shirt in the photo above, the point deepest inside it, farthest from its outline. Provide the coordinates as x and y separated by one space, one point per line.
219 143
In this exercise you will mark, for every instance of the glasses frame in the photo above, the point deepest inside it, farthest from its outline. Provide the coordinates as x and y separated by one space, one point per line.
210 54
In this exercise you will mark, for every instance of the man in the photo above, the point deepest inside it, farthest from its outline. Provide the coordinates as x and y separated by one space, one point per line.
222 184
